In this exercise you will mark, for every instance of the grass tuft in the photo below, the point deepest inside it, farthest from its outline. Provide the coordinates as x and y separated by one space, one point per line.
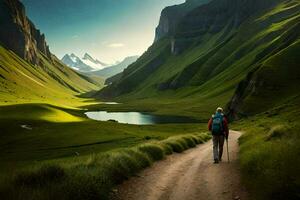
40 177
276 132
168 150
155 151
175 145
189 141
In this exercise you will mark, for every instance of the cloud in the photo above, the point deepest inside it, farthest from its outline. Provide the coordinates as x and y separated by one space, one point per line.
116 45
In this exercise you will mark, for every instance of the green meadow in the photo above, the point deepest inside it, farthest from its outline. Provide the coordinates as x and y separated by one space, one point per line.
54 132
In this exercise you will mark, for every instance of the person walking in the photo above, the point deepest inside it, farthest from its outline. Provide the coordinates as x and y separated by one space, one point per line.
218 125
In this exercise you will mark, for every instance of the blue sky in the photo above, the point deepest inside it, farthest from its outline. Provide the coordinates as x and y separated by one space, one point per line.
107 29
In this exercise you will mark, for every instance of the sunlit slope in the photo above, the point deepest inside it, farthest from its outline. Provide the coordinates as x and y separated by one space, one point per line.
21 82
39 112
211 65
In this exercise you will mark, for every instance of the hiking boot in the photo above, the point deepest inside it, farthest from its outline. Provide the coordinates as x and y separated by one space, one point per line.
216 161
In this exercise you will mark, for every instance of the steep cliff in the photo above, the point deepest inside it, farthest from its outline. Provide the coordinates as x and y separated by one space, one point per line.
19 34
171 16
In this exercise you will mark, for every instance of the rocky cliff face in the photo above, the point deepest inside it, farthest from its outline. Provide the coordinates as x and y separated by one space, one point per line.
19 34
246 87
171 16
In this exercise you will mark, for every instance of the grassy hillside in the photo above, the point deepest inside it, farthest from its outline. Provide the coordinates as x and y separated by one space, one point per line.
273 83
21 82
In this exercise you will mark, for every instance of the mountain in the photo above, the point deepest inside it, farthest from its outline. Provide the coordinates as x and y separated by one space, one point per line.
28 70
171 16
85 64
220 52
76 63
116 69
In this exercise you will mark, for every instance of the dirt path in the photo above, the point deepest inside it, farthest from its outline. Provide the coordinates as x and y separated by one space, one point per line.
189 176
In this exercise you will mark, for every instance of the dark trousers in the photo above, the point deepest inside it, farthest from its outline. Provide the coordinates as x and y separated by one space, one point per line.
218 143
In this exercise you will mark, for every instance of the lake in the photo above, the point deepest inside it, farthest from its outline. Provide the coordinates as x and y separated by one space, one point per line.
137 118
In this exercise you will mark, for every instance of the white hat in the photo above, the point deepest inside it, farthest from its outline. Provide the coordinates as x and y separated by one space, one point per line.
219 109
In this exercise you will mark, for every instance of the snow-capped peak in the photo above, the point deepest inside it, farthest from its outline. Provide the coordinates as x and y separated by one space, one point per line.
73 57
88 57
85 64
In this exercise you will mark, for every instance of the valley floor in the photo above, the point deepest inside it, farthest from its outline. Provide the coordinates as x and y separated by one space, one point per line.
190 176
35 135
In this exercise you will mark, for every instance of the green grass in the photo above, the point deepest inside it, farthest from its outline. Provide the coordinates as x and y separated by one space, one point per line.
63 133
269 153
43 112
94 176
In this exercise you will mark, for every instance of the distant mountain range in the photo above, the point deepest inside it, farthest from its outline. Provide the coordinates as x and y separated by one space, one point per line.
89 65
116 69
85 64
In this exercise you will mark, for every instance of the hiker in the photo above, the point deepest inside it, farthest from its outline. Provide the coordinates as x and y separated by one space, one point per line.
218 125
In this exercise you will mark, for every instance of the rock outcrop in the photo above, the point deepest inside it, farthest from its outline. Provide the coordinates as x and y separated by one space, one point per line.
19 34
246 87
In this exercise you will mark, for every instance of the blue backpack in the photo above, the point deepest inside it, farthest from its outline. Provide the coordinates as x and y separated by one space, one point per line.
217 124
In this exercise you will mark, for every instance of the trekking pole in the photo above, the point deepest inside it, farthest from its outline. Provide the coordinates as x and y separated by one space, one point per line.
227 150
